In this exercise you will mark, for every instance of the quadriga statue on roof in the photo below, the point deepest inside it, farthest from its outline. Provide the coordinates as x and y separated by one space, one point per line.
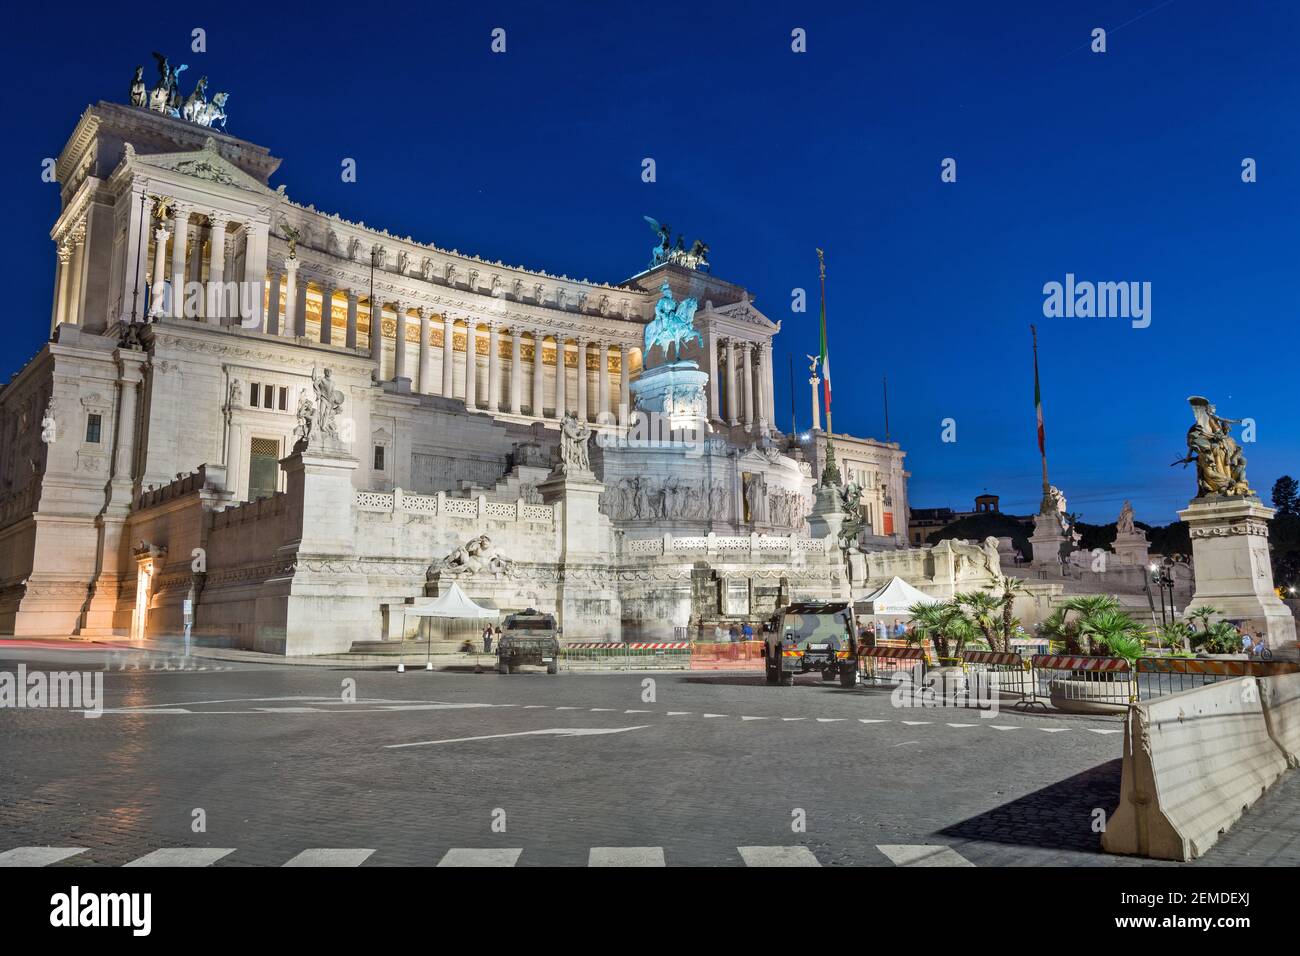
1220 465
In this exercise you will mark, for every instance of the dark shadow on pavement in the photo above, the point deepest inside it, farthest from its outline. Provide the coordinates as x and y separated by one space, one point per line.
1057 817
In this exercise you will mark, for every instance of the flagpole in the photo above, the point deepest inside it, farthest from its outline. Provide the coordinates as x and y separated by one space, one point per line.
830 471
1047 504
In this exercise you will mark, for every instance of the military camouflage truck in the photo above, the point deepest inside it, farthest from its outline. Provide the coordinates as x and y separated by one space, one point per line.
812 636
529 637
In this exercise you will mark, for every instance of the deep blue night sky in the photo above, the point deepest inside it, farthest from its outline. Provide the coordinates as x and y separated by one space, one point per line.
1122 166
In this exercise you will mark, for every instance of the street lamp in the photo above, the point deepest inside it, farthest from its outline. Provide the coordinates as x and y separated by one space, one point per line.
1162 577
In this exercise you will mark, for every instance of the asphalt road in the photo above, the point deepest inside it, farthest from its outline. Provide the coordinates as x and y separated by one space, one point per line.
281 763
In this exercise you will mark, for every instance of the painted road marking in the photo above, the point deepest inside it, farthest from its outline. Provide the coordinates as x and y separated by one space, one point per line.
38 855
550 731
182 856
755 718
830 720
679 713
463 857
963 725
865 720
327 857
626 856
924 855
1094 730
777 856
914 723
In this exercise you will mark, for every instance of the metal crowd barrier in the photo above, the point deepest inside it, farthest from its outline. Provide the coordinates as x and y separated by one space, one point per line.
879 664
1160 676
640 655
1082 680
1001 672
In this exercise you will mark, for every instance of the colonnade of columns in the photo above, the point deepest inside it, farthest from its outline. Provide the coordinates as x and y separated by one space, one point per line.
741 388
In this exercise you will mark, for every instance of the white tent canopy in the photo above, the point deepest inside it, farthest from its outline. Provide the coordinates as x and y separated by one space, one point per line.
454 603
895 597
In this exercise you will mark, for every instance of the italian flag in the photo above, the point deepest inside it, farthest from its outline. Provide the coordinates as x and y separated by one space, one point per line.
1038 408
825 355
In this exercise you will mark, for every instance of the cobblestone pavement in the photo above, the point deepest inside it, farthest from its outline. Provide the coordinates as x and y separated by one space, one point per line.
425 768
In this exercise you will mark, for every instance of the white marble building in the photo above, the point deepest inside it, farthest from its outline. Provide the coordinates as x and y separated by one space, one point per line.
147 451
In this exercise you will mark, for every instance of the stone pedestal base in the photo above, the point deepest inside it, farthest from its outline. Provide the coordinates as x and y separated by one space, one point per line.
586 597
1046 541
1232 568
675 391
1132 549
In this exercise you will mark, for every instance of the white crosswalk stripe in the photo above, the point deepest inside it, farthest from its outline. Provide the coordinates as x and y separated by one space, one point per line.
626 856
38 855
923 855
466 857
777 856
328 857
182 856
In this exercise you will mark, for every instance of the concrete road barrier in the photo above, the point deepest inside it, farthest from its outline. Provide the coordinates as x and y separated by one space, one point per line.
1281 699
1193 763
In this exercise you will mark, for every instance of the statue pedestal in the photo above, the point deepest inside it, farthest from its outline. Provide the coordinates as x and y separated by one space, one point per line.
1132 548
1232 567
586 595
676 393
1046 541
827 516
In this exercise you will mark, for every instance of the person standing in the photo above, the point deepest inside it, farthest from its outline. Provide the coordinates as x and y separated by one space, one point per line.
487 639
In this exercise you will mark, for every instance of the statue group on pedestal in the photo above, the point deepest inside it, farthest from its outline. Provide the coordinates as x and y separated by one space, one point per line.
319 418
673 324
1220 465
474 556
574 436
696 257
165 98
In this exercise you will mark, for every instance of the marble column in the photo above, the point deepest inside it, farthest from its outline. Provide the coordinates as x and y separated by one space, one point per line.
61 285
326 314
180 234
732 381
625 382
448 355
760 389
494 367
256 240
399 349
539 395
426 353
158 288
516 371
290 297
471 364
300 311
350 336
747 374
768 417
602 383
217 270
560 376
715 408
816 408
273 303
584 414
377 334
72 313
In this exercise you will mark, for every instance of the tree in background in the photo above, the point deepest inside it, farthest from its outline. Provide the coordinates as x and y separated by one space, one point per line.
1285 493
1284 534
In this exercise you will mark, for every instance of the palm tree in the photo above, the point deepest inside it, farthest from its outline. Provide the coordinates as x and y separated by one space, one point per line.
1010 588
1114 632
1057 628
945 624
982 608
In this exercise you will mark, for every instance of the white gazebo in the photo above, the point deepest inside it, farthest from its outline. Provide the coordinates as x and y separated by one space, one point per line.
453 605
893 599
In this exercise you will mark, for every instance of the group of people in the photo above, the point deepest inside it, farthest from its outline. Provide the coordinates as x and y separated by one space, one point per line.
490 634
736 632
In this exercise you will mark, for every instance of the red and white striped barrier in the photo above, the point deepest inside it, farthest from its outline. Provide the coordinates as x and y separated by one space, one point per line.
995 658
1072 662
629 645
